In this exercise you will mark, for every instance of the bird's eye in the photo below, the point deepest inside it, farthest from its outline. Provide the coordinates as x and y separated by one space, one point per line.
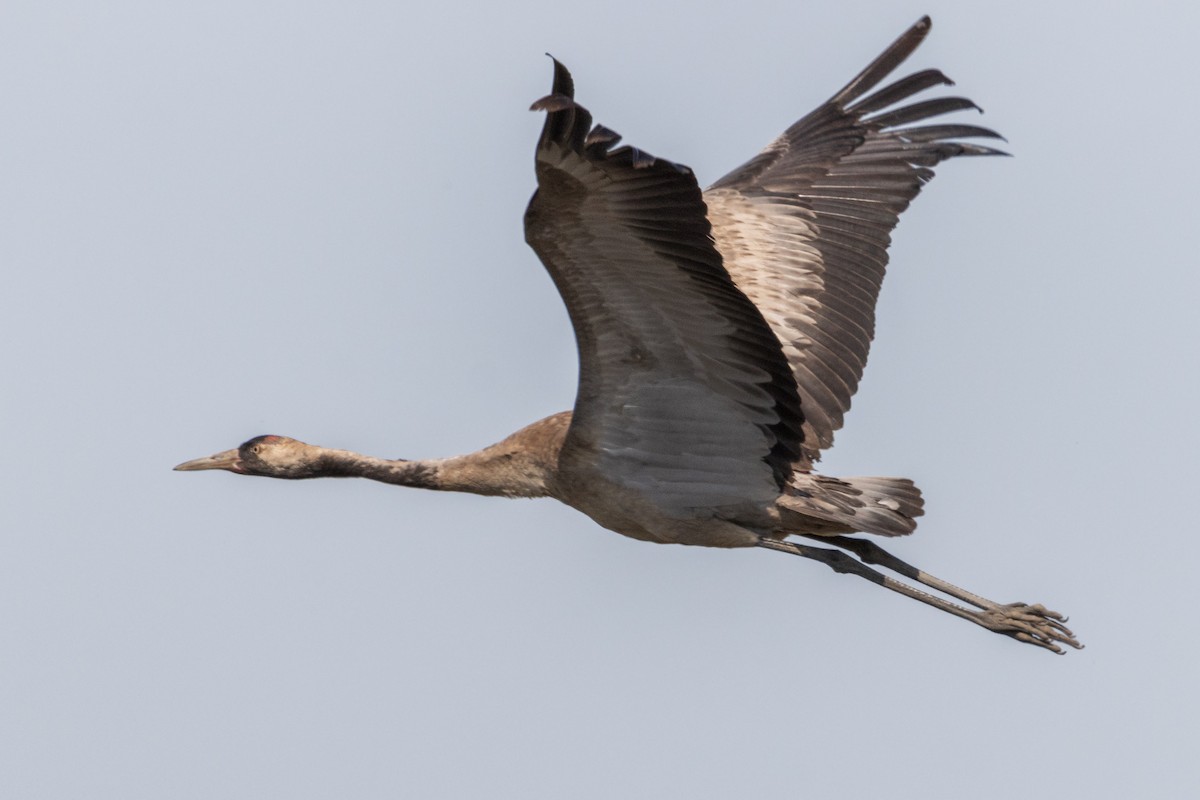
256 449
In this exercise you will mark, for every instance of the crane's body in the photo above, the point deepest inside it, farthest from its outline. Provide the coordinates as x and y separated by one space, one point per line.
721 336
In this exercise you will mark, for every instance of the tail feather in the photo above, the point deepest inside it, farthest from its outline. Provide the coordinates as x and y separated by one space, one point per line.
884 506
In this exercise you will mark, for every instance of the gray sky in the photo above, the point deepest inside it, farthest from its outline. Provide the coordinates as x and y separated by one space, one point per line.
237 218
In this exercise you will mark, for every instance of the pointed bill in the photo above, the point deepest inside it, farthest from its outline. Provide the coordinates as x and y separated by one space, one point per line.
228 460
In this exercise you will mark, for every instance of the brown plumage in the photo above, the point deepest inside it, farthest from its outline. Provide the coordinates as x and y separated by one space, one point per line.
721 336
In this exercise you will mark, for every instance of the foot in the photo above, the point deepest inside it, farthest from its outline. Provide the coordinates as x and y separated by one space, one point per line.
1034 624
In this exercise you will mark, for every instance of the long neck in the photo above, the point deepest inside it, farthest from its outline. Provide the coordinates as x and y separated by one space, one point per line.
523 465
475 473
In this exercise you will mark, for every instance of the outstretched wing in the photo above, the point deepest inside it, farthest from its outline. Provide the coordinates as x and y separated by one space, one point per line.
684 395
804 226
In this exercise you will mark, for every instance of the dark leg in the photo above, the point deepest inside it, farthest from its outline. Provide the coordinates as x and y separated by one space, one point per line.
1031 624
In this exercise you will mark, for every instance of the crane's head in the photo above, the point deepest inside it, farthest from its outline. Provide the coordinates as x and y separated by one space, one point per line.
269 456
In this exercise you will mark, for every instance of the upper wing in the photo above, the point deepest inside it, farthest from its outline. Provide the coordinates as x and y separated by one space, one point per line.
804 226
684 392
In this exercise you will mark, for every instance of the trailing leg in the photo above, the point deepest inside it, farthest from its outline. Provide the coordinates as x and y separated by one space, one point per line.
1032 624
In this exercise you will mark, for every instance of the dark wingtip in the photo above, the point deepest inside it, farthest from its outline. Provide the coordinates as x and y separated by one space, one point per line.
979 150
563 84
601 138
885 62
554 102
567 122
